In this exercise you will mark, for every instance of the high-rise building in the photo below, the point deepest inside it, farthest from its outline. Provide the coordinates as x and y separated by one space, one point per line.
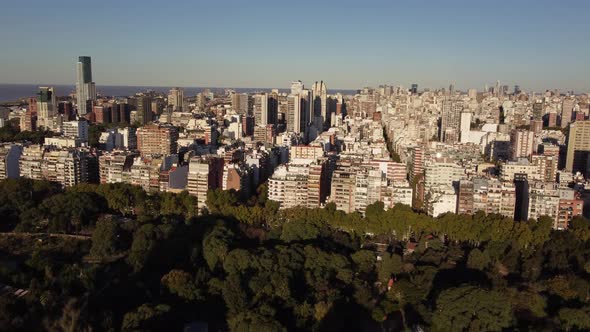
102 114
66 109
201 101
129 137
241 103
145 171
567 109
28 121
85 88
204 174
578 147
521 204
296 87
176 99
143 110
465 198
248 125
343 188
543 200
521 144
536 126
123 113
320 107
546 166
237 176
66 166
77 129
465 126
552 119
414 89
157 139
46 107
450 120
31 162
538 111
115 167
295 114
261 104
570 206
288 186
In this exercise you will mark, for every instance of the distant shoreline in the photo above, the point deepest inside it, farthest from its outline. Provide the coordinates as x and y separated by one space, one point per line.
14 92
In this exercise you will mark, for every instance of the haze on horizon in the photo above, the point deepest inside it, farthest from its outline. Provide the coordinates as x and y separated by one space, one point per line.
261 44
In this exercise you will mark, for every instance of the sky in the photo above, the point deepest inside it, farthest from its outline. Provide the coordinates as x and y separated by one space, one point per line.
537 44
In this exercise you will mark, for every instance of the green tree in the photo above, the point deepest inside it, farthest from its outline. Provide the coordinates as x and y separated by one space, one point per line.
364 261
70 212
471 308
528 300
13 314
144 317
218 201
252 322
297 231
72 319
105 238
391 264
182 284
575 318
216 245
143 247
477 260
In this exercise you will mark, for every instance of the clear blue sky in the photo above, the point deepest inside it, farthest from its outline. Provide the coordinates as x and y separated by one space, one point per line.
349 44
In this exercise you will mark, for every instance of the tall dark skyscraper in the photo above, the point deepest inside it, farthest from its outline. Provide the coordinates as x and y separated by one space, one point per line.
521 210
414 89
144 110
85 88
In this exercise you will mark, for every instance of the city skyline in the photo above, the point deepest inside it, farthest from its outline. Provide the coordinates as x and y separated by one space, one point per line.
532 44
294 166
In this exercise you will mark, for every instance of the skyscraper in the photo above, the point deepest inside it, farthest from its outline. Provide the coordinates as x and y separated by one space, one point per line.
450 120
261 109
46 107
299 108
320 107
176 99
143 110
578 147
241 103
85 89
295 116
538 111
296 87
521 208
567 108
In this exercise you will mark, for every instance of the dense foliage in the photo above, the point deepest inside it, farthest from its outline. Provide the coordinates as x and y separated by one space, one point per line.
11 133
112 257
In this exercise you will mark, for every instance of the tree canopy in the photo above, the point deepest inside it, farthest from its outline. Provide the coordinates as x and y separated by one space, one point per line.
113 257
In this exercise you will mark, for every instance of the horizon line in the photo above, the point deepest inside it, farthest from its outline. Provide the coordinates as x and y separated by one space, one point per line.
286 88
